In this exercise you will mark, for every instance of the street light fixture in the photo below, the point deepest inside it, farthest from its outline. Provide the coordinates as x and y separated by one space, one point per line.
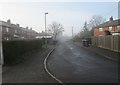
45 30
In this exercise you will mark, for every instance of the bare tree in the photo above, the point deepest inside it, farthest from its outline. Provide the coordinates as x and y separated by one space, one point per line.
56 29
96 20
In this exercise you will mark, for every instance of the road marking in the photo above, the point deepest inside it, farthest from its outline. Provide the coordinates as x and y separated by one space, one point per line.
46 69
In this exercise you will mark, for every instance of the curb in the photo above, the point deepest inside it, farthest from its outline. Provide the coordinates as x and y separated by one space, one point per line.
46 69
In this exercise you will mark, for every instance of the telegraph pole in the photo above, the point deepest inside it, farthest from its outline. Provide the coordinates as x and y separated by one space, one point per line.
72 31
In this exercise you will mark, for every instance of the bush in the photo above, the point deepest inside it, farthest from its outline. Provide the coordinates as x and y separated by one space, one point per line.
12 50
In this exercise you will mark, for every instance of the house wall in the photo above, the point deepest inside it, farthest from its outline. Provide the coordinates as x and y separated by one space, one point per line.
16 32
102 33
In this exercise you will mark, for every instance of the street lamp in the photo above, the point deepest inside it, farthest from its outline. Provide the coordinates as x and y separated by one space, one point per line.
45 21
1 50
45 30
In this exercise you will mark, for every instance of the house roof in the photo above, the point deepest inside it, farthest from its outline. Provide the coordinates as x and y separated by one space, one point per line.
109 23
3 23
44 34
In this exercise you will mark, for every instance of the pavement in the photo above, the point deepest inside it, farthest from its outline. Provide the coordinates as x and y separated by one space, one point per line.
30 71
71 63
111 55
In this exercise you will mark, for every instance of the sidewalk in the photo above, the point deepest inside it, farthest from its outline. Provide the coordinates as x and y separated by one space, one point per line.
103 52
42 53
0 68
30 71
0 74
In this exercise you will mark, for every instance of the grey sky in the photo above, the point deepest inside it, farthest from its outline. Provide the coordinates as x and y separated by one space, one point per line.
67 13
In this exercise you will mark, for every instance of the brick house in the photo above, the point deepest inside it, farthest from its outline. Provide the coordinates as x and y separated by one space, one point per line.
14 31
111 27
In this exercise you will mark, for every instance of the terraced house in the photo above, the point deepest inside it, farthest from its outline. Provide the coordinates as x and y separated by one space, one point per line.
111 27
14 31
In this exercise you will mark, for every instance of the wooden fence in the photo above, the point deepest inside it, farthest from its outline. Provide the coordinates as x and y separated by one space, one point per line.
107 42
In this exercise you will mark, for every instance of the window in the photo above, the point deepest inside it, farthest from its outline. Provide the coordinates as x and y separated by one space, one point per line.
100 29
118 27
110 28
0 28
7 29
7 38
100 35
15 31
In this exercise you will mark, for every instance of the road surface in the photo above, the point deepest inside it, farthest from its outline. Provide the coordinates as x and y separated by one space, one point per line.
72 64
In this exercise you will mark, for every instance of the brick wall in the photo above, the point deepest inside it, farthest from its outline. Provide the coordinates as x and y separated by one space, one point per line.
98 33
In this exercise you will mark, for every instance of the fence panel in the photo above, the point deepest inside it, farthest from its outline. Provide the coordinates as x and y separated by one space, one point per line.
107 42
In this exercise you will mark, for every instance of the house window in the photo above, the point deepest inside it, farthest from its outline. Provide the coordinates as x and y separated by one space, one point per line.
0 28
7 29
15 31
110 28
7 38
100 35
118 27
100 29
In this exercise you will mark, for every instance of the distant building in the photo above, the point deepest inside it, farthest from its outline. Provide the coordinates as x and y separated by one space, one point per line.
111 27
43 35
14 31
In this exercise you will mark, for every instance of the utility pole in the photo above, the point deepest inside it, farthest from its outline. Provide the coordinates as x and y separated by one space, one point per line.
72 31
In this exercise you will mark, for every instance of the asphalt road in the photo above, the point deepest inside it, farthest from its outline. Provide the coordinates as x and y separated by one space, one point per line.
72 64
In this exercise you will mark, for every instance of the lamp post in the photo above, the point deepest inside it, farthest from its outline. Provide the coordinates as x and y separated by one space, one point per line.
1 50
72 32
45 30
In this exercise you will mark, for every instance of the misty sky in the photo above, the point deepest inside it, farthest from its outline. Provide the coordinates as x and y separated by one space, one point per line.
69 14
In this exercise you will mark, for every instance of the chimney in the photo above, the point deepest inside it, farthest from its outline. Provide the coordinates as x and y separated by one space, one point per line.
111 19
31 28
27 27
18 25
9 21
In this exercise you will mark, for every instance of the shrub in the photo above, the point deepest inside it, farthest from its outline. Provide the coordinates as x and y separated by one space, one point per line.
12 50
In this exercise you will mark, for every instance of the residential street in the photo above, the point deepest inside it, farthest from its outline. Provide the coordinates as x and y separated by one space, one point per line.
72 64
64 42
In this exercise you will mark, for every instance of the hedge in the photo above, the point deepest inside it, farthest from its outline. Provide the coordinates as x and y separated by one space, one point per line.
12 50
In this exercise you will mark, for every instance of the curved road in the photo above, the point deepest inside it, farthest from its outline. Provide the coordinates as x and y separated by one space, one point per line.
72 64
